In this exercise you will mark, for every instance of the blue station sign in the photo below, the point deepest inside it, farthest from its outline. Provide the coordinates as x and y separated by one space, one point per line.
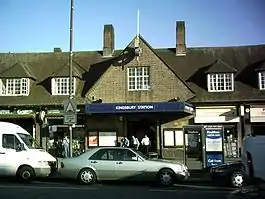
140 107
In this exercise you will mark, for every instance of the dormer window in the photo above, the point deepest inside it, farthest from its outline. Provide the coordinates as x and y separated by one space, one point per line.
60 86
262 80
14 87
220 82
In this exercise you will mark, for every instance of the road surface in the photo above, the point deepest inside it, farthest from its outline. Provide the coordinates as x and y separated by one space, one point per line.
49 190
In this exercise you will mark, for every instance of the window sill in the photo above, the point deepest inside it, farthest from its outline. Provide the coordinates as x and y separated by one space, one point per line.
140 90
223 91
14 95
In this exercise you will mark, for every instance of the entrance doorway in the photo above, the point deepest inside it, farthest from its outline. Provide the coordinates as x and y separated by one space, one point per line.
193 145
140 128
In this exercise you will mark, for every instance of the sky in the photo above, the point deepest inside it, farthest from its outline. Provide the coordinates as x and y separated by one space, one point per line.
41 25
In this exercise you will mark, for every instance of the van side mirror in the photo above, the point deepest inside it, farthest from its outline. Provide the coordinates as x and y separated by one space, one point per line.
20 147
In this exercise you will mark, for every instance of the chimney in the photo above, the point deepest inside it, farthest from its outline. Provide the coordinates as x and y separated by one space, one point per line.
180 38
108 40
57 50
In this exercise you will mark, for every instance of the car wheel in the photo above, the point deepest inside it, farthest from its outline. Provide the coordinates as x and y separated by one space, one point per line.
165 177
237 179
87 176
25 174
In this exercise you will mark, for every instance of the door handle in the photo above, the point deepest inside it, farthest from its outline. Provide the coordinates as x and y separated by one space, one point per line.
2 153
119 163
93 162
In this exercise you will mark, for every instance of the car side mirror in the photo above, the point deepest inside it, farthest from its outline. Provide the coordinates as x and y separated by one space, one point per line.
20 147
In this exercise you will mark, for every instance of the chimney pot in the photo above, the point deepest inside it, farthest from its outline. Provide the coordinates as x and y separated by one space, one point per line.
180 38
57 50
108 40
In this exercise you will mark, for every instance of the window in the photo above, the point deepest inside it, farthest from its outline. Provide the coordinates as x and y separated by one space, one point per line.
125 155
262 80
10 141
220 82
103 154
14 87
60 86
138 78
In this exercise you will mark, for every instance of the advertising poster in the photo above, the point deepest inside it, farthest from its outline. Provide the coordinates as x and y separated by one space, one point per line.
214 138
107 138
93 139
214 159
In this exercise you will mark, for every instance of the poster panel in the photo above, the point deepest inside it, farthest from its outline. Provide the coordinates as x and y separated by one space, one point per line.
107 138
214 138
179 140
168 138
214 159
92 139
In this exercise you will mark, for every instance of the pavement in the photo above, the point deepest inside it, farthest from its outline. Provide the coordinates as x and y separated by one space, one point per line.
51 190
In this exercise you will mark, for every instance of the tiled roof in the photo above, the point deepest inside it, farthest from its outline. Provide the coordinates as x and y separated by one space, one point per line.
191 69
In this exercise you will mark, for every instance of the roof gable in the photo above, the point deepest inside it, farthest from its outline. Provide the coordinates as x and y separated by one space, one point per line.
220 66
261 66
18 70
131 44
63 71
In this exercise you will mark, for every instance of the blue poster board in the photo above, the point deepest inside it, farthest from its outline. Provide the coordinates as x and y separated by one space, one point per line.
214 159
214 138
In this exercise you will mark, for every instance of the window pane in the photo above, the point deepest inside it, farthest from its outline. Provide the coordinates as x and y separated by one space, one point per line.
262 80
61 86
14 87
220 82
138 78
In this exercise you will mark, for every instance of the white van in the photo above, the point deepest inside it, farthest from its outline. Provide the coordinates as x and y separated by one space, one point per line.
253 157
19 155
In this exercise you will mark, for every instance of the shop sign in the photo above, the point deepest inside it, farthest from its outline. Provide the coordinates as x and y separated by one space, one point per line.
17 112
214 159
57 111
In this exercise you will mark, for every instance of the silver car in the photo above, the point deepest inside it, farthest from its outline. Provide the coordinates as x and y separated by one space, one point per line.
117 163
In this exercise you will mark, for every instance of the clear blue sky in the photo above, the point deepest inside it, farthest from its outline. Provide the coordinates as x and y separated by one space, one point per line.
41 25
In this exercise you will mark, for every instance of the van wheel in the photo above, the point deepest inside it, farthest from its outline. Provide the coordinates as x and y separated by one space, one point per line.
25 174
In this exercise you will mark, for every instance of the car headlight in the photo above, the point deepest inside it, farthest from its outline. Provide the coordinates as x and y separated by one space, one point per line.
43 163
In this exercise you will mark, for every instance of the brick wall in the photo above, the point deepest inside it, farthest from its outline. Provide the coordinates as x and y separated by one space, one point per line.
112 86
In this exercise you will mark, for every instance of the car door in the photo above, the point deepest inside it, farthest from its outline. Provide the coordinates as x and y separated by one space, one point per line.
103 163
128 165
8 155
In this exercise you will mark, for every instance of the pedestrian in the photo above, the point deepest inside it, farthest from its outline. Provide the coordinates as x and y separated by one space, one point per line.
135 142
126 142
66 147
146 144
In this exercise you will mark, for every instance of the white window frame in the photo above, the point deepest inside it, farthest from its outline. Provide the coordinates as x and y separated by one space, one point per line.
57 91
12 85
144 87
262 80
214 88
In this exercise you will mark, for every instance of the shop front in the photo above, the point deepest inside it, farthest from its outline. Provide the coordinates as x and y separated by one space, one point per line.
257 119
22 117
108 123
55 131
228 117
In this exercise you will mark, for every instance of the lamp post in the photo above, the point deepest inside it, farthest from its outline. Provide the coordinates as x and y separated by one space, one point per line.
71 74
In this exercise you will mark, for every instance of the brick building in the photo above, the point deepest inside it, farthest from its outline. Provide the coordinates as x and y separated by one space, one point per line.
120 95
